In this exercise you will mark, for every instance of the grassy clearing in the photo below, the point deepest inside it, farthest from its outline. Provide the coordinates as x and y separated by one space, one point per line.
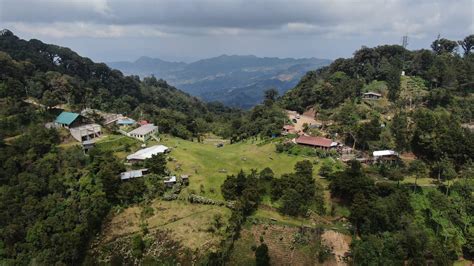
188 223
209 165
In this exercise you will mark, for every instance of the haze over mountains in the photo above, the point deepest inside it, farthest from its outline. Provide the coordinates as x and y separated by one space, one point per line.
235 80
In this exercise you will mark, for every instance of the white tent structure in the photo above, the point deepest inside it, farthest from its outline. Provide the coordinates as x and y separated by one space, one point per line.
384 153
146 153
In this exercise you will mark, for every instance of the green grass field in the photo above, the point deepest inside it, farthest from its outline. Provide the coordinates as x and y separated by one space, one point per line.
209 165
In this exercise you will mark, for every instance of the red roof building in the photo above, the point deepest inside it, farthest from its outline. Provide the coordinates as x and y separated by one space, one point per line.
143 122
317 142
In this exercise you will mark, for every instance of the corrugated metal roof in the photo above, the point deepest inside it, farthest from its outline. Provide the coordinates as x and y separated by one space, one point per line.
126 121
143 130
147 152
315 141
132 174
66 118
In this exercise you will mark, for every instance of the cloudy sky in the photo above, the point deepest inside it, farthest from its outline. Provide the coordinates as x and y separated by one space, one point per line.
111 30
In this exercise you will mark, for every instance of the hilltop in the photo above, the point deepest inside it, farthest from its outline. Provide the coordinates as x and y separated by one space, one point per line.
235 80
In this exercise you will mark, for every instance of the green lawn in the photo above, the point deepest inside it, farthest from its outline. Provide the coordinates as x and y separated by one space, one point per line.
209 165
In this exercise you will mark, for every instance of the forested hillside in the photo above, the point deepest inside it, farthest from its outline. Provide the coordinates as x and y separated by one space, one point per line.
421 105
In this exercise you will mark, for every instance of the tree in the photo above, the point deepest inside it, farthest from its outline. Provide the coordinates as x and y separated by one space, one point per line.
261 255
443 45
266 174
467 44
419 169
326 168
270 96
157 164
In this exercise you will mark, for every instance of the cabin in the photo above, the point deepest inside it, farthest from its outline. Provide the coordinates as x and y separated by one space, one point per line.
372 95
144 132
147 153
86 132
385 155
67 119
316 142
133 174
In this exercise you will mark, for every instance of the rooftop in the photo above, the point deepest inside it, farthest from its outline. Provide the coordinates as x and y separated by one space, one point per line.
385 153
143 130
126 121
373 93
66 118
146 153
315 141
132 174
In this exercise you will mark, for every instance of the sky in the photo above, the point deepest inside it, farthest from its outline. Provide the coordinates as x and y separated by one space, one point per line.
188 30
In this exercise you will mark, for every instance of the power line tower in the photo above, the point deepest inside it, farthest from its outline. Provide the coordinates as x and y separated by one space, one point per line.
405 41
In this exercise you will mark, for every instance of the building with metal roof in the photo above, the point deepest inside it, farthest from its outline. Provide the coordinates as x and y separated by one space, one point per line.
133 174
144 132
147 153
66 119
317 142
126 122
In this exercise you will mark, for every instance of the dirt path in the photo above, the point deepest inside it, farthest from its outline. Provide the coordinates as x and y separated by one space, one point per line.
303 119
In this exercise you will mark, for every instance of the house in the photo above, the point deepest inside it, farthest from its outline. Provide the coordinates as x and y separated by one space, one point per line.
144 132
86 132
133 174
288 129
147 153
172 180
316 142
67 119
126 122
386 155
372 95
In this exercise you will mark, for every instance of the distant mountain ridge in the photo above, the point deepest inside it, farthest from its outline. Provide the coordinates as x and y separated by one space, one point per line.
235 80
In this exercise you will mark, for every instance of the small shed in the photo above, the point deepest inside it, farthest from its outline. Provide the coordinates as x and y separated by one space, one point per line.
372 95
133 174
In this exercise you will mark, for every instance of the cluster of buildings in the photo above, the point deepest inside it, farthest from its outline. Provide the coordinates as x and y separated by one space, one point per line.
83 129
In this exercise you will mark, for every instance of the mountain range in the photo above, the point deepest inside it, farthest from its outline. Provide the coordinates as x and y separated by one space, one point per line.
235 80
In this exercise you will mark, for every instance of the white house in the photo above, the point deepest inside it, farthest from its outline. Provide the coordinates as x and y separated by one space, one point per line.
144 132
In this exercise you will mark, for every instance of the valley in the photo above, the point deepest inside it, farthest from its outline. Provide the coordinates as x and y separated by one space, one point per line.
237 81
